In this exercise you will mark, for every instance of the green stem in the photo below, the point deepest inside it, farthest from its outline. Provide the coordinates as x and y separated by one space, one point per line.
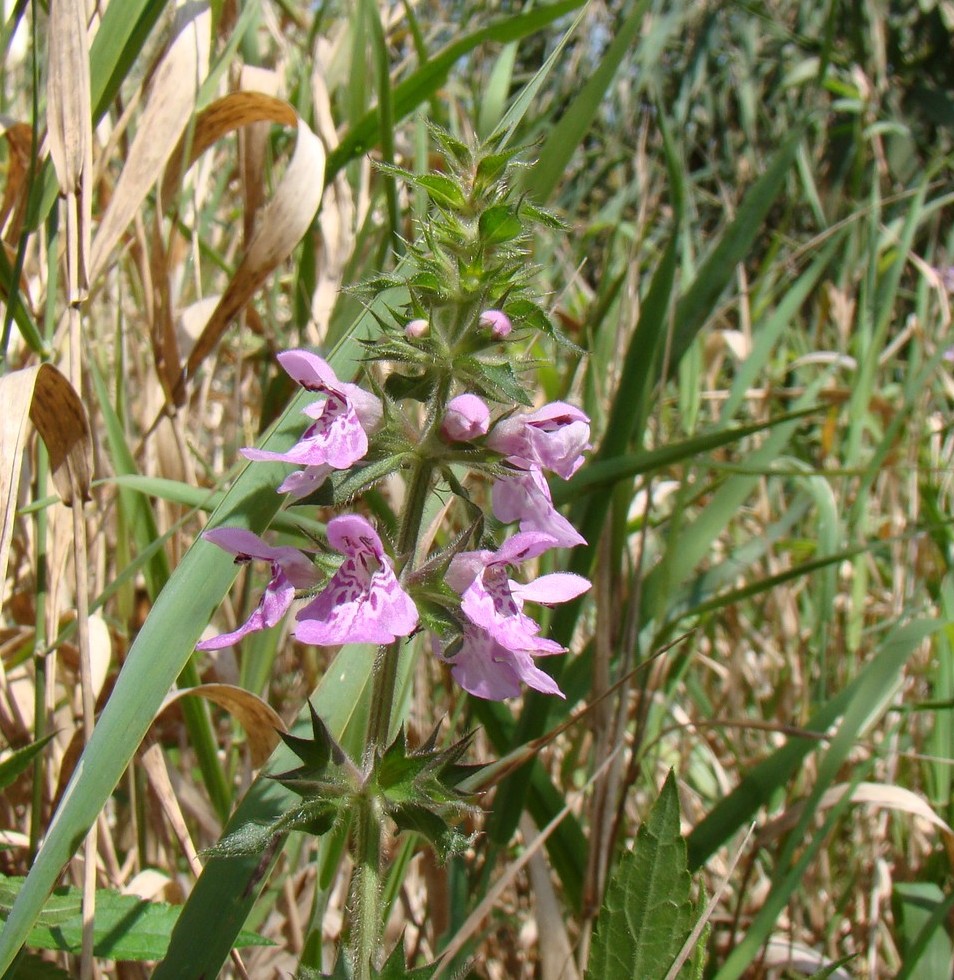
366 883
367 889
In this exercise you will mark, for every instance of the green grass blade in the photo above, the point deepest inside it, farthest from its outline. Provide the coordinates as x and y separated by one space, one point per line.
563 140
715 273
423 83
162 648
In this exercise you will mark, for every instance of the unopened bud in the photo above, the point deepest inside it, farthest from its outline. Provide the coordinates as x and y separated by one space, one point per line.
499 323
416 328
467 418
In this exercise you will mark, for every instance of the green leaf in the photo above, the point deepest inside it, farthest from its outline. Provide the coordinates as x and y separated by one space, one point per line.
419 819
648 913
715 273
442 190
567 135
396 969
31 967
14 764
495 381
499 224
126 927
920 915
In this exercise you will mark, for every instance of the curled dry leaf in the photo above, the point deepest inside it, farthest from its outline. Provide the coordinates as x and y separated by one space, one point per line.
886 796
259 719
44 395
223 116
167 114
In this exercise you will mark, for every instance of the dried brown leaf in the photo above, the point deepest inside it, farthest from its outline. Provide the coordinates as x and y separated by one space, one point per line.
223 116
44 395
284 222
259 719
19 136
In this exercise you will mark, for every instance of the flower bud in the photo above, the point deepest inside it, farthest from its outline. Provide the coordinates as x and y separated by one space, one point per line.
499 323
416 328
467 418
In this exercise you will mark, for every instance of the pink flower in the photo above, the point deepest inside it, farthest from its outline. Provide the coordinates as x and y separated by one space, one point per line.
363 602
553 438
499 639
338 437
467 418
498 322
524 496
291 570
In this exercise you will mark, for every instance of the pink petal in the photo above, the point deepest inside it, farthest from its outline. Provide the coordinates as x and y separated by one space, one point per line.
533 677
465 567
480 673
552 437
367 407
305 481
363 602
550 589
524 496
523 546
299 569
351 534
354 610
275 602
311 371
498 322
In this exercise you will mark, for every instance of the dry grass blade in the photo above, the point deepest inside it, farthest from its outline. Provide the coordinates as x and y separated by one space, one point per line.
261 721
284 222
16 390
885 796
487 903
70 131
167 114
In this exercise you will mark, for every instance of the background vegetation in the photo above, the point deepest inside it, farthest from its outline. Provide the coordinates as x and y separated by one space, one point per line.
758 270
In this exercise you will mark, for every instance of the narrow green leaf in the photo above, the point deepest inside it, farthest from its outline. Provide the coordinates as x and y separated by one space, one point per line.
423 83
566 136
20 760
715 273
126 927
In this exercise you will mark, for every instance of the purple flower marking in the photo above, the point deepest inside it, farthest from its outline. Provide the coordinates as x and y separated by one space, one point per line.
291 570
363 602
553 438
467 418
524 496
338 437
499 639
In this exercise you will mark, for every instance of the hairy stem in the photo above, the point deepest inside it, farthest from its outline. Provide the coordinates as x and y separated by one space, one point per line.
366 883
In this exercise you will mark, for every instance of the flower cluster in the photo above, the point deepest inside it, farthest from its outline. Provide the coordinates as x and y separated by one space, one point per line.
453 353
363 601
